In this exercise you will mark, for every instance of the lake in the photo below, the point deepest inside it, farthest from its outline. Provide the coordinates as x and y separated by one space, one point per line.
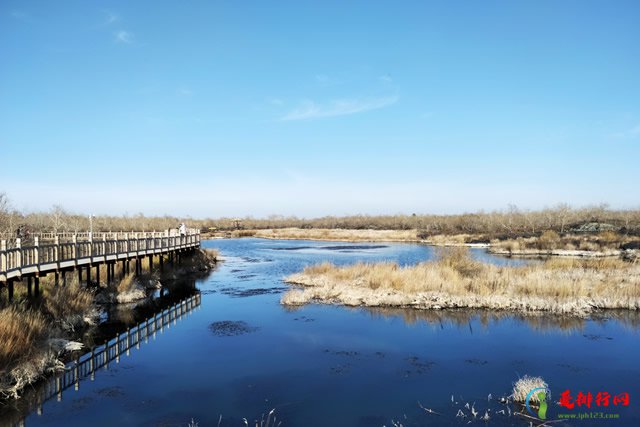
240 354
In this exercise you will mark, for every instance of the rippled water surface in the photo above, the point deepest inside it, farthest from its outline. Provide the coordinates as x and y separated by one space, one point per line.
241 354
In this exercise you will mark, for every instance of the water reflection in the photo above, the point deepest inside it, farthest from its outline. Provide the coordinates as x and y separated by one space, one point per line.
100 357
538 322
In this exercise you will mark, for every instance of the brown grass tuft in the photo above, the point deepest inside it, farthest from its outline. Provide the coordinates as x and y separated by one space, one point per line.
21 333
127 284
68 305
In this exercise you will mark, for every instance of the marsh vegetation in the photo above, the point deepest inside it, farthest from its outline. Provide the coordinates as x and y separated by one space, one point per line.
456 280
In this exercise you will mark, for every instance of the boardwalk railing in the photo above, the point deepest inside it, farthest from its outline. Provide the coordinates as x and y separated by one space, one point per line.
88 364
49 252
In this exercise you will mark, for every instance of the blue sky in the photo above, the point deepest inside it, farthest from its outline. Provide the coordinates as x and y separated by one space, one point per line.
311 108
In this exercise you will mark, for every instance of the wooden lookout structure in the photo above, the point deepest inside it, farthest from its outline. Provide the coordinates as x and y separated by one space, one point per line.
61 253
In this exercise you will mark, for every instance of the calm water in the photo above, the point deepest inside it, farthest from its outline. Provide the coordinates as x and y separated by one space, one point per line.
332 366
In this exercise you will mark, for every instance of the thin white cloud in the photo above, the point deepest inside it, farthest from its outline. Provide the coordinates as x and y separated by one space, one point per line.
111 18
123 36
342 107
385 79
628 134
276 101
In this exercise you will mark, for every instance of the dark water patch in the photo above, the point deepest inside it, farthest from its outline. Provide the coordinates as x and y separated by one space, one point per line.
479 362
111 392
418 366
353 247
231 328
340 369
345 353
292 248
243 293
246 276
572 368
236 270
253 260
81 403
596 337
304 319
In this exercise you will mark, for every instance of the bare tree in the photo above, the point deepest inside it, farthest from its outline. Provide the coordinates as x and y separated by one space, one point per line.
58 218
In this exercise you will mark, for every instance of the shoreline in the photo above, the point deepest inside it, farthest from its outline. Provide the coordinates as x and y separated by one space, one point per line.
496 247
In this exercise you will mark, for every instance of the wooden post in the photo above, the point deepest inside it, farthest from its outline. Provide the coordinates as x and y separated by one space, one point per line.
92 363
3 256
89 274
56 279
117 348
79 276
150 263
10 290
109 278
56 250
18 255
36 283
29 285
98 274
64 278
122 270
36 251
161 260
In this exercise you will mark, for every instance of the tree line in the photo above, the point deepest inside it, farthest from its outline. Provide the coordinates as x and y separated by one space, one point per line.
510 222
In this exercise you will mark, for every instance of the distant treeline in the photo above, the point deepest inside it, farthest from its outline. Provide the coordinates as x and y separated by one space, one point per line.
508 223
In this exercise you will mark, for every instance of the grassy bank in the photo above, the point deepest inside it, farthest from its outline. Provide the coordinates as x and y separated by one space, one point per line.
31 335
455 280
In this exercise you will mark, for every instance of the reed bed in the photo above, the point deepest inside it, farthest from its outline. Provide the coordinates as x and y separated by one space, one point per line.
364 235
455 280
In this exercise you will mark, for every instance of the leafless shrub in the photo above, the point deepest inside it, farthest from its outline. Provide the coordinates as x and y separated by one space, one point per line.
523 387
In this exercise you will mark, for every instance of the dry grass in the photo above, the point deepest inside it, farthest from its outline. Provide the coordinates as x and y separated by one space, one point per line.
211 254
127 284
523 387
21 332
24 355
456 280
606 242
338 235
68 306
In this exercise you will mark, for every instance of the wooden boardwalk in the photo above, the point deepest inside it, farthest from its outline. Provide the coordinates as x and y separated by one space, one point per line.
60 253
